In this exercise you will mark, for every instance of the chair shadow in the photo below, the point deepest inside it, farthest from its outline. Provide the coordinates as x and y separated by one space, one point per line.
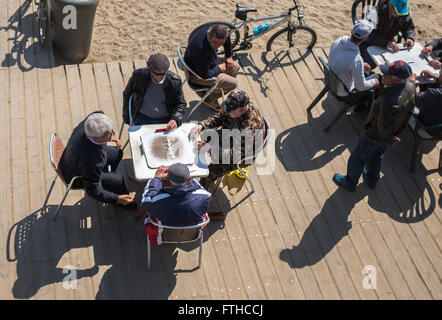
23 26
331 224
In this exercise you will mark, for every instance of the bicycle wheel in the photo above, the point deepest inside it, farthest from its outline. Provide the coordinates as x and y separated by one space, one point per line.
295 37
43 18
234 34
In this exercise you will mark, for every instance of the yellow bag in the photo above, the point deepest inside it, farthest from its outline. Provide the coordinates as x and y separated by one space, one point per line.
239 174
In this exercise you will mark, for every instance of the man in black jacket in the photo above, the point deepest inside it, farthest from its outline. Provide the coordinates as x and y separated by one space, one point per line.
87 155
157 95
392 16
387 119
434 48
201 56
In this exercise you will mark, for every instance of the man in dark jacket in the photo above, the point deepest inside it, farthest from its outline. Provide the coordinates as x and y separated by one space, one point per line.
201 56
434 48
87 155
387 119
173 199
157 95
429 103
392 16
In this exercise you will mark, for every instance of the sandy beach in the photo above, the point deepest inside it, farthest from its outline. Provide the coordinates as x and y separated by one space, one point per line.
134 29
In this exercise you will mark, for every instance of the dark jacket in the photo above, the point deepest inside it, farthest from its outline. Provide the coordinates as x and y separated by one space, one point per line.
138 83
182 206
382 35
390 112
200 56
82 157
429 102
437 45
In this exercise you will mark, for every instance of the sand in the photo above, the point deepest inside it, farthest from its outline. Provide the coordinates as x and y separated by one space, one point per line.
133 29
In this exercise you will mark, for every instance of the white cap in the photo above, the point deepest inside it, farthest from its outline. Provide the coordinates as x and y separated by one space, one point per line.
362 29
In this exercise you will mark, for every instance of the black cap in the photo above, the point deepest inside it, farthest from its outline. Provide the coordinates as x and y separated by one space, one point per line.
158 63
236 99
178 173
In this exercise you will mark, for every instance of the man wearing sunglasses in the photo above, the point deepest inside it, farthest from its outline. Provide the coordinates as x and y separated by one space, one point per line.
157 95
88 155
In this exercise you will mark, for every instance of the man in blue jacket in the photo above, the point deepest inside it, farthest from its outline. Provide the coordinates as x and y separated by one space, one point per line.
87 155
175 199
201 56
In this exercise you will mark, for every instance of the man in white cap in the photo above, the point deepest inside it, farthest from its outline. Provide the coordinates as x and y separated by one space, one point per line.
346 62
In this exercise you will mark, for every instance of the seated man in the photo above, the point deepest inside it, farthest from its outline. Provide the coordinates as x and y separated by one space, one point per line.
392 16
434 48
87 155
429 103
201 57
237 114
345 60
157 95
387 119
173 199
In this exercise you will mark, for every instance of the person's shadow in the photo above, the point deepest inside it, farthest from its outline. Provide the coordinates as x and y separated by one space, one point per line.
331 224
25 50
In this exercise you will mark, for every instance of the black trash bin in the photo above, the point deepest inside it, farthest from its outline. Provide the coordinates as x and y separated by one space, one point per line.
73 44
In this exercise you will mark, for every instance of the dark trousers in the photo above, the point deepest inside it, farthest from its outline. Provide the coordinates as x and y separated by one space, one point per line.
369 155
110 181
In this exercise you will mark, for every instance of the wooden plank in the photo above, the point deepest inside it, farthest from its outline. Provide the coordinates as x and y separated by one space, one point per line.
4 44
140 64
373 234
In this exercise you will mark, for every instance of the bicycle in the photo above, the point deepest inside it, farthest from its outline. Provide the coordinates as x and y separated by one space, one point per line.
293 34
43 17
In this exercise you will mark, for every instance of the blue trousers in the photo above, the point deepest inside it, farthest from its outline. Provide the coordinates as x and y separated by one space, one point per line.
141 119
367 155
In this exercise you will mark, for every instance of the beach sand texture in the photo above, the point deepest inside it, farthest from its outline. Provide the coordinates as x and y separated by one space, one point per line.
134 29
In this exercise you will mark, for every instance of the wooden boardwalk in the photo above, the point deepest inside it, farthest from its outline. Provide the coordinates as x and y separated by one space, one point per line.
296 237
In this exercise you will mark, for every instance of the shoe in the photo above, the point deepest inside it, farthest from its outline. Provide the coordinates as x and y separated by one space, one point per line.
370 184
131 206
341 181
216 216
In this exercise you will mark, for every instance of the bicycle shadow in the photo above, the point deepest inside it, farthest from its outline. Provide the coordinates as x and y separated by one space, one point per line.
25 50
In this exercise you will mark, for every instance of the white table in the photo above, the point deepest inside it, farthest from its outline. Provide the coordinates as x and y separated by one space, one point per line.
142 171
417 62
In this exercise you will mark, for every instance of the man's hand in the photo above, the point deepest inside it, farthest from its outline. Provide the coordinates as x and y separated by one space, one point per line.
223 67
377 83
195 132
436 64
391 45
412 78
117 141
428 75
172 125
229 64
427 51
367 67
201 144
410 44
161 173
125 199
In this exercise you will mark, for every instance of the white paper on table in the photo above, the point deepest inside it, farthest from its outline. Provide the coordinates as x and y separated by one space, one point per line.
184 147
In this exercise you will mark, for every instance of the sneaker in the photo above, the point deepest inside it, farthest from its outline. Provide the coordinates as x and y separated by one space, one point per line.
341 181
370 184
216 216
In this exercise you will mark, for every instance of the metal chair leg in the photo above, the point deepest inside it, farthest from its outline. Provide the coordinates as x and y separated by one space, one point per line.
148 253
124 147
319 97
414 153
68 188
49 193
201 250
201 101
121 129
218 182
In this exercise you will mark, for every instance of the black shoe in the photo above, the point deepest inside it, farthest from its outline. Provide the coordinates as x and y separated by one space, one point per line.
341 181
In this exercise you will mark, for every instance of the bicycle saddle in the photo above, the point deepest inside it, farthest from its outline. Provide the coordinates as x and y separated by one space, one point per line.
244 9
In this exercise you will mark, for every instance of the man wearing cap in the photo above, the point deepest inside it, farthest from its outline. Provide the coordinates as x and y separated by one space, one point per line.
87 155
345 60
392 16
241 119
157 95
387 119
173 199
201 56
